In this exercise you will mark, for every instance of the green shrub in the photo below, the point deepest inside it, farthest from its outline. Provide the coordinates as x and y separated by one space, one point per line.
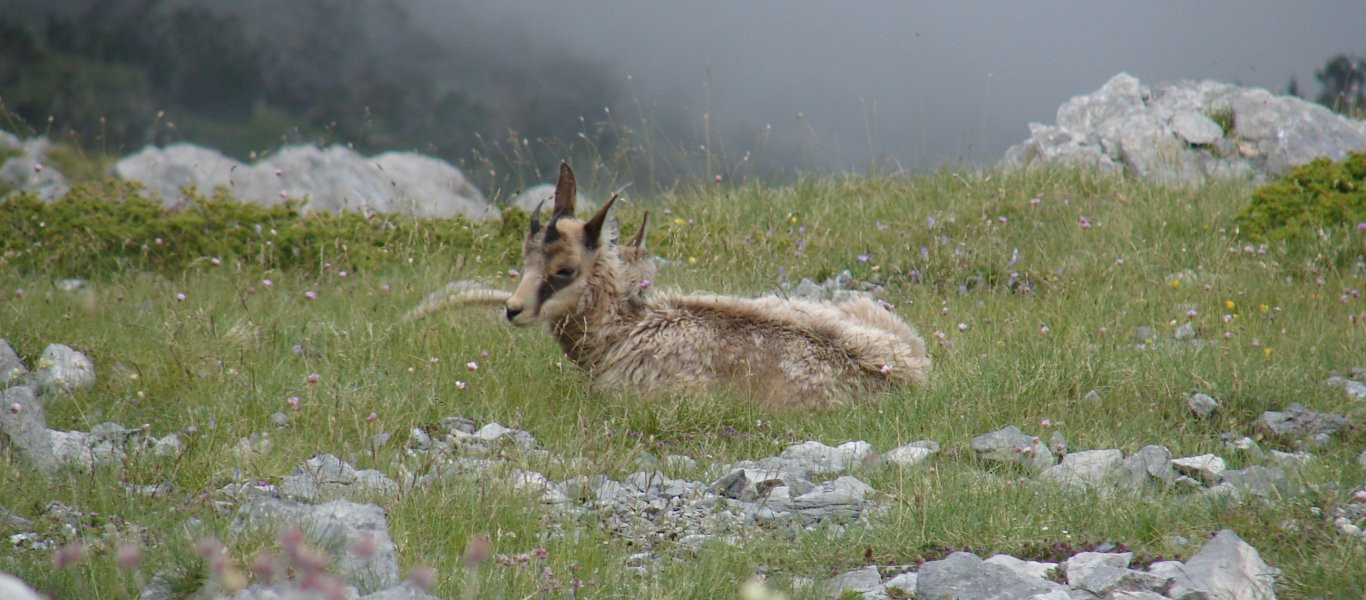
109 226
1319 195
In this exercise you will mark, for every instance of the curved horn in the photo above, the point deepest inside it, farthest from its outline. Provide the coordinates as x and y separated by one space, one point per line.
638 239
536 218
593 228
551 233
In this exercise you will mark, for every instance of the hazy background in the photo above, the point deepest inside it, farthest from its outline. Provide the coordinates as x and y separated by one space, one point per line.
507 87
935 81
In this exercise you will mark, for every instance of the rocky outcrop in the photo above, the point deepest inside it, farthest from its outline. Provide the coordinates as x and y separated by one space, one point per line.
335 178
1185 132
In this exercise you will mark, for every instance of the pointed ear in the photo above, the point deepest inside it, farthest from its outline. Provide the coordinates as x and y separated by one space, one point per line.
565 192
592 230
638 240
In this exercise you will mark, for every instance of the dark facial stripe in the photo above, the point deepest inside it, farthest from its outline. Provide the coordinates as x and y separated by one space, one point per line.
550 286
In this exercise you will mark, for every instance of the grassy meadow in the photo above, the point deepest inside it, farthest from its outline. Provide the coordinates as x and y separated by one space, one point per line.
1028 286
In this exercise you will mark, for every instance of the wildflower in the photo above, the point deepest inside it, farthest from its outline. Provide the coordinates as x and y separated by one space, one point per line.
1119 262
1266 351
422 577
313 378
342 274
484 353
1044 329
962 327
37 167
679 220
459 385
473 366
1190 314
1228 335
383 287
293 402
717 178
180 297
1035 201
1229 304
1263 307
692 260
365 547
929 221
944 310
1175 283
19 293
863 258
279 172
158 241
284 195
1360 495
644 283
68 555
371 418
924 252
1227 318
15 408
1045 423
411 370
311 295
1361 226
1102 330
514 273
327 265
215 261
129 555
1001 219
266 283
1084 222
476 551
886 369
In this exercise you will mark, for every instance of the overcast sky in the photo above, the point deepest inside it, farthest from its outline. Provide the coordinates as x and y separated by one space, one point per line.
933 82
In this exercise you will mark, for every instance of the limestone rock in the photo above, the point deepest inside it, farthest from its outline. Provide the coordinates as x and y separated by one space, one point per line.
1299 421
1203 405
22 423
1225 567
1086 470
326 477
1166 134
11 367
860 581
911 454
335 527
63 369
1011 445
820 458
13 588
1149 462
963 575
1206 467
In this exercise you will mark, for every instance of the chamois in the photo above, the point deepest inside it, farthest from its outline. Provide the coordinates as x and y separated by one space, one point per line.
638 269
781 352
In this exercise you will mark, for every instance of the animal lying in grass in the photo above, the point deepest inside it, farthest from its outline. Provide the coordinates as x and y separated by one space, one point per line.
780 352
638 272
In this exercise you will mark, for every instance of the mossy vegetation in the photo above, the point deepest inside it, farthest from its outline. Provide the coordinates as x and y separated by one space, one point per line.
105 227
1313 207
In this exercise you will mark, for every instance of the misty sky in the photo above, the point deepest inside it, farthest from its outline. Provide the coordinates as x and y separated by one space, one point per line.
933 82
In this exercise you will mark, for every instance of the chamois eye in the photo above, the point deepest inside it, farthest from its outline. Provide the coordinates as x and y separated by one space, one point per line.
565 273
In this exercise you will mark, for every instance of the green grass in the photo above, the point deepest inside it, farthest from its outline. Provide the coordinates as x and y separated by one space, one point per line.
231 354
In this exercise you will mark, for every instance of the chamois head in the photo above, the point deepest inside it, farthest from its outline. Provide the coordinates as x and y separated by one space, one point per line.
557 258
